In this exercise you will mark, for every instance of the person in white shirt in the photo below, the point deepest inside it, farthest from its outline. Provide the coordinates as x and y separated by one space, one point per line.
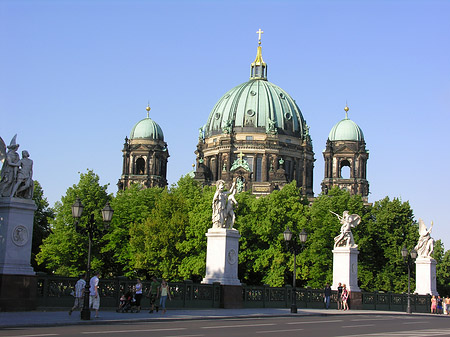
94 298
79 294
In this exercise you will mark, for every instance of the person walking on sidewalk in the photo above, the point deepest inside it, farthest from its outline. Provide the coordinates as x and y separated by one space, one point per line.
447 305
327 294
339 296
345 296
79 294
94 296
138 294
165 292
153 293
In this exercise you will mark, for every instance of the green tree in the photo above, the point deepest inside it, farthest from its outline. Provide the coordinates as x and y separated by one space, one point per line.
131 207
41 224
442 258
389 227
165 244
64 251
263 258
317 266
193 248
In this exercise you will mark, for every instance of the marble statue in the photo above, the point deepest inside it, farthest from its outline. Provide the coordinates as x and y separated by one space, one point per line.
17 174
9 168
425 246
223 206
24 185
345 238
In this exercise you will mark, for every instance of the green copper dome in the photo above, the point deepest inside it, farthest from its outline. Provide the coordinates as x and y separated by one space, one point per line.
147 129
346 129
256 106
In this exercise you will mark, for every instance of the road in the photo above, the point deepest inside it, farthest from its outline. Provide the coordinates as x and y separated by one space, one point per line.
314 326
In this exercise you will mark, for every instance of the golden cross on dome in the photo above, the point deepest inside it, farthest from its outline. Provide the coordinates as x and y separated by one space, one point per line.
241 156
259 32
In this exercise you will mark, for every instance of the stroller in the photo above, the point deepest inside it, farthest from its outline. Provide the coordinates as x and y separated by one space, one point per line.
127 303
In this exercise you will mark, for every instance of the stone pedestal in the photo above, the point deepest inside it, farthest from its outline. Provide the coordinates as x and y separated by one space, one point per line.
345 268
18 292
231 297
222 257
426 276
17 280
16 233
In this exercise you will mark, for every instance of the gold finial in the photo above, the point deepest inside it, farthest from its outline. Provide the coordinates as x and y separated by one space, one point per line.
148 110
193 165
346 111
259 32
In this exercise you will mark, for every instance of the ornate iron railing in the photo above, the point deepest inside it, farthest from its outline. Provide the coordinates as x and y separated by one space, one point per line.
54 292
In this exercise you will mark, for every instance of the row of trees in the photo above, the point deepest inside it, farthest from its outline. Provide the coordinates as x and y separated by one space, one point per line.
162 232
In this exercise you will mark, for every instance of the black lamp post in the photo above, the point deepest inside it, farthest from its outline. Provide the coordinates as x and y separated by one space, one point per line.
295 248
408 258
107 213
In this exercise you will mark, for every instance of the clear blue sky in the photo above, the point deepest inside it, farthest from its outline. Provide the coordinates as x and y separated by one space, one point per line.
77 75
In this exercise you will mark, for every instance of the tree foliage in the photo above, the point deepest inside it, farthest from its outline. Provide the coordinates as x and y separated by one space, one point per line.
263 257
41 224
161 232
64 251
389 227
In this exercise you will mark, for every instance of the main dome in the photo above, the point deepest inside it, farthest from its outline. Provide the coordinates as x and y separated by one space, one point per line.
346 129
259 105
256 106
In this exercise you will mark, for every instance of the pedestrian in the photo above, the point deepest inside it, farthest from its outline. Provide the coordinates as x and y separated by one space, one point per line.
447 305
327 293
339 296
94 296
153 293
433 304
79 293
345 296
164 293
439 305
138 294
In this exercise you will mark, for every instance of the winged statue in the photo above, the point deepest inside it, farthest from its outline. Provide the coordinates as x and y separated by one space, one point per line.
425 246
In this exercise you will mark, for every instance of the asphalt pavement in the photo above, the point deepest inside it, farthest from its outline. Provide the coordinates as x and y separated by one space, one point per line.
59 318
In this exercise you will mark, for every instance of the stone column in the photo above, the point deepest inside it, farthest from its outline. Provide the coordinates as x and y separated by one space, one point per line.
345 268
345 271
222 256
17 278
222 265
426 276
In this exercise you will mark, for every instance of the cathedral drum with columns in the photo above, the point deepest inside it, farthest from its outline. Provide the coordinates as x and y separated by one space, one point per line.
145 156
256 135
346 152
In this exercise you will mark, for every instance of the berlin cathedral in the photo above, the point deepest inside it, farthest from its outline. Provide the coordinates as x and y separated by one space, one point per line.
255 136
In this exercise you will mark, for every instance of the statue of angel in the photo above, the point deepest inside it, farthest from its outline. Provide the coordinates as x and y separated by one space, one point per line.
10 167
348 221
425 246
223 206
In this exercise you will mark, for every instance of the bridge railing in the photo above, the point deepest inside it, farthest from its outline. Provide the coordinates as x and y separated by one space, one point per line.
55 292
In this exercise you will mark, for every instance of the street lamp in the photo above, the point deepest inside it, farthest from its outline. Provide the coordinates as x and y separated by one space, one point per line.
408 258
295 248
107 213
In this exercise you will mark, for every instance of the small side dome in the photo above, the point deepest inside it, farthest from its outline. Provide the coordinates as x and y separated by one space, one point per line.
346 129
147 129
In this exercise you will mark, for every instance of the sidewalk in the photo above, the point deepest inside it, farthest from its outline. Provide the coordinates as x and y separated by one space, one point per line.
57 318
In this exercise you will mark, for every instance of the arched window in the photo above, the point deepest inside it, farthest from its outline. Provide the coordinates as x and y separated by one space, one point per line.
140 166
345 169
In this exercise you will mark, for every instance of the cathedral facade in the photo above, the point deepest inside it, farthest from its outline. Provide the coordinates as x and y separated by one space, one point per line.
256 136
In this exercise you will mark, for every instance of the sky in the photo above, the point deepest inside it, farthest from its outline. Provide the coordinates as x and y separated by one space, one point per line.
76 76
